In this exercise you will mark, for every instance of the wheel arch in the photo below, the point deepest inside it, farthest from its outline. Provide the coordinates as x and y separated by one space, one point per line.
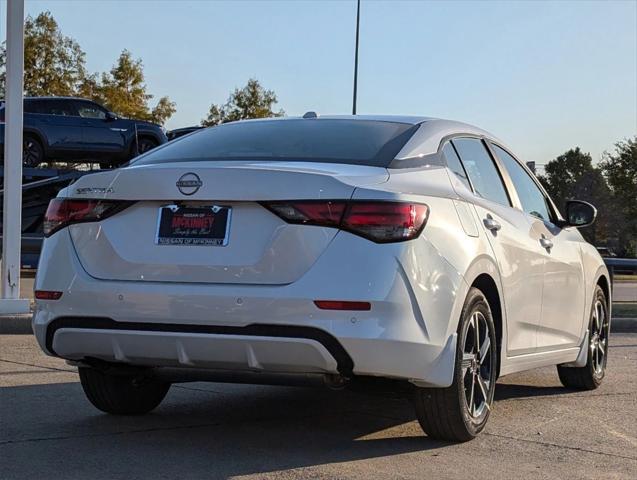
39 136
603 280
140 136
485 276
149 135
604 283
485 283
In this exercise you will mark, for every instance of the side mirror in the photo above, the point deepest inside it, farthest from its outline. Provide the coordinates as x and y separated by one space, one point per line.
579 213
110 116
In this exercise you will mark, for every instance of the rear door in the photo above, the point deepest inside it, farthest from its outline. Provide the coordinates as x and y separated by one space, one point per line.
100 136
561 322
510 236
58 120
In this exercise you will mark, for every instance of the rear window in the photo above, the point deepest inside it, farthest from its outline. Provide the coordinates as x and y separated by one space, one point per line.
359 142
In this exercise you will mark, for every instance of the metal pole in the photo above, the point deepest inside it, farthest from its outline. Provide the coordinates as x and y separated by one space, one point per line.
12 209
358 19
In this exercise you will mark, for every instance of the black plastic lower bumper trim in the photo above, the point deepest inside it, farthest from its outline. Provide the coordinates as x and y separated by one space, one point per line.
345 364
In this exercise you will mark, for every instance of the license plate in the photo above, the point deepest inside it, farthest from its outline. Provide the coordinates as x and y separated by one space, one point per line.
207 226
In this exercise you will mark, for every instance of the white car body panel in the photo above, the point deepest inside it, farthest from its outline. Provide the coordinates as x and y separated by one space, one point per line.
271 272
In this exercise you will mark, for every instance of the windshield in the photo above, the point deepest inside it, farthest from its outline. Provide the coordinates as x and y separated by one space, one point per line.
359 142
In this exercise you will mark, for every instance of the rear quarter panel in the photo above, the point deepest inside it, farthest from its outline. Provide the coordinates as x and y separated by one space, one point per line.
459 246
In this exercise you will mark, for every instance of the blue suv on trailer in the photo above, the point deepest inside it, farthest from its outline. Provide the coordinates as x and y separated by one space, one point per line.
68 129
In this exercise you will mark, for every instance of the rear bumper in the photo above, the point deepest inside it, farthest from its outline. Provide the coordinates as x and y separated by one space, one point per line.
408 334
276 348
253 348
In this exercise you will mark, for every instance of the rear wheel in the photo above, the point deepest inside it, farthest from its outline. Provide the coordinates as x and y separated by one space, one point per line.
460 412
32 151
121 394
590 376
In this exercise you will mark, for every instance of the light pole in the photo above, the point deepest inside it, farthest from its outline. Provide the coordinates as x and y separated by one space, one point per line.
358 19
10 301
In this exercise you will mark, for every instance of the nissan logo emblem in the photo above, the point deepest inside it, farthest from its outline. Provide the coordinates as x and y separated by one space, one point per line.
189 183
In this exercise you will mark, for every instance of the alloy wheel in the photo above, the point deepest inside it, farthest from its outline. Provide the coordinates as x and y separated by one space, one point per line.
599 338
144 146
30 152
476 365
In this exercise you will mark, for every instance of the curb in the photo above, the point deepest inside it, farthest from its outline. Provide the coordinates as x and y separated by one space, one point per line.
16 324
623 325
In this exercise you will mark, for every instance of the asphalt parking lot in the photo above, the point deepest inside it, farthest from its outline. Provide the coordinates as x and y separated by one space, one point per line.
537 430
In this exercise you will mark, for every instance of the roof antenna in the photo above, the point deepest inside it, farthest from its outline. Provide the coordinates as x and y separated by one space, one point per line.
358 19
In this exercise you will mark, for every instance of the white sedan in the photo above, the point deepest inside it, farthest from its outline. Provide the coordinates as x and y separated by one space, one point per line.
415 251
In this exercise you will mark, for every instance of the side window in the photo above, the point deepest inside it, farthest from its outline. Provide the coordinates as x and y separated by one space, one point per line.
531 197
454 164
34 106
482 172
90 110
30 106
58 107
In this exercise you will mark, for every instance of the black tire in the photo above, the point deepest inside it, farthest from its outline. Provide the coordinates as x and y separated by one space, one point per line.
32 151
454 413
142 146
121 394
590 376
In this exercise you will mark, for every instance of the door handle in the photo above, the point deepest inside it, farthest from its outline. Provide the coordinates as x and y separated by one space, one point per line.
546 243
491 224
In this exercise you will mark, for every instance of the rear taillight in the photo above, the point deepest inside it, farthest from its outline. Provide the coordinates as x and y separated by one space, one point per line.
310 213
381 222
62 212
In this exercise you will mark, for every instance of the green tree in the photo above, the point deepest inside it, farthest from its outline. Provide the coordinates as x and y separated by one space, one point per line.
572 176
251 101
91 87
54 64
123 90
162 111
620 170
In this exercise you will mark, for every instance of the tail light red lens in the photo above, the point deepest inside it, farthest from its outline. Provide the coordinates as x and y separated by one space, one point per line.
381 222
385 221
62 212
309 213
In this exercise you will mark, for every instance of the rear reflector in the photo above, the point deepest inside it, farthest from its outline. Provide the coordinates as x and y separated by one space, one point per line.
342 305
62 212
47 295
380 222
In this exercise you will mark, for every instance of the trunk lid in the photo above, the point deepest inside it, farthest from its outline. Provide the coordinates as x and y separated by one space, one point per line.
261 248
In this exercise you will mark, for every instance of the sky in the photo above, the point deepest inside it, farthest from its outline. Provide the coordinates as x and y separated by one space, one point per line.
543 76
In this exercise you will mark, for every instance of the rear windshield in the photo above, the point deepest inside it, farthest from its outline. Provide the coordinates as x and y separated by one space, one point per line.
359 142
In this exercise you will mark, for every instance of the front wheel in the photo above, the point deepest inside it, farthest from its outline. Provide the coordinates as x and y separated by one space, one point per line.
590 376
142 146
121 394
460 412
